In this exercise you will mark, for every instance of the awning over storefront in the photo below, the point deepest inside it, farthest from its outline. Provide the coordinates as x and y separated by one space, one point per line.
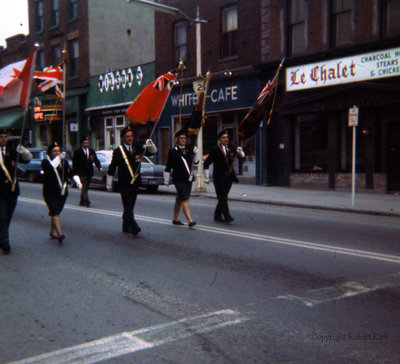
12 119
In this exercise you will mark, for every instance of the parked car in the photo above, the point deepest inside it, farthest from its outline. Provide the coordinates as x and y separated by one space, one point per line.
32 171
151 174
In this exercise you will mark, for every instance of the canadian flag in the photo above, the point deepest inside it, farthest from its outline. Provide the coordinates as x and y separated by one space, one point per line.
15 83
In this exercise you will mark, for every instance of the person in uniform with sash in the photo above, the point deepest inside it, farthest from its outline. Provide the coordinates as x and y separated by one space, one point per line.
9 187
222 156
82 163
126 158
180 161
55 192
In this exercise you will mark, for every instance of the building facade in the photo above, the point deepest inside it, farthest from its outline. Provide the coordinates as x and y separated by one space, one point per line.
339 54
229 46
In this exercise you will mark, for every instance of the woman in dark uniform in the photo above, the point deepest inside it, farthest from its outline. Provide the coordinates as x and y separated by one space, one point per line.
56 173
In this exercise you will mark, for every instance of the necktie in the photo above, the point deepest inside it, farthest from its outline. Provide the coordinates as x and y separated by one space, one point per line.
3 152
87 153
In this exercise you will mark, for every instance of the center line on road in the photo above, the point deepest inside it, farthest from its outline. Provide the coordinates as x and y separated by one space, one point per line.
245 235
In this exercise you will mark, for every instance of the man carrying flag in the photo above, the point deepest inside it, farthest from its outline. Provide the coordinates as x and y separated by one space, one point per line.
249 125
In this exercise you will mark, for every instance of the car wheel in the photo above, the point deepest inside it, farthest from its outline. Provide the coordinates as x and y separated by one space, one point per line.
152 189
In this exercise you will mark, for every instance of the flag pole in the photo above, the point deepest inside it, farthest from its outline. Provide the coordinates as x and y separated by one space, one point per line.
276 88
27 101
64 138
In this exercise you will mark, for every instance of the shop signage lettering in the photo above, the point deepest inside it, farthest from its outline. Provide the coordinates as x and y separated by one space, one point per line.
350 69
216 95
121 79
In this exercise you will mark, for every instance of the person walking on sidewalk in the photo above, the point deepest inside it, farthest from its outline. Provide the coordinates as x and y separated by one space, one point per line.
126 158
9 187
180 162
55 192
222 156
82 164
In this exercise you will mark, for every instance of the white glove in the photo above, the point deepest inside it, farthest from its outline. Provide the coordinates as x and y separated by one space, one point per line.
77 181
206 176
150 146
196 156
25 153
63 155
109 183
166 177
240 152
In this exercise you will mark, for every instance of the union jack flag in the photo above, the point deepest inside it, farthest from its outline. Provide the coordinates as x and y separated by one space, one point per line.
50 80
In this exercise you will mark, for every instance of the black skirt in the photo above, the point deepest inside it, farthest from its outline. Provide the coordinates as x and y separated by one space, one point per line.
55 204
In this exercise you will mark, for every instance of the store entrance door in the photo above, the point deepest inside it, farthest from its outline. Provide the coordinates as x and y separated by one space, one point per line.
393 165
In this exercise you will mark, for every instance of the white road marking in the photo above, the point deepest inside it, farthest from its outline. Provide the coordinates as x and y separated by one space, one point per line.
133 341
316 297
235 233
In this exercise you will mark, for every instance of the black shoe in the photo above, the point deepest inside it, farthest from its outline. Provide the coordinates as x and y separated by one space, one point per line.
54 237
136 230
60 238
191 224
219 219
177 222
229 219
6 248
127 230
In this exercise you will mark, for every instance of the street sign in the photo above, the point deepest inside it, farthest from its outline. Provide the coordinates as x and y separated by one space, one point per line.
353 116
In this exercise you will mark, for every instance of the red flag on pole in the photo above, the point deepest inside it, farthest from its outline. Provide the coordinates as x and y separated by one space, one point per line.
15 82
265 102
149 104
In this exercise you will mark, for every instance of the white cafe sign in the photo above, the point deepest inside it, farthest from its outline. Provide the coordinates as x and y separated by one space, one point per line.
368 66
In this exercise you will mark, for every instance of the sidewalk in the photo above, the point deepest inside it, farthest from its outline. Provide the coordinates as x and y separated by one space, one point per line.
364 202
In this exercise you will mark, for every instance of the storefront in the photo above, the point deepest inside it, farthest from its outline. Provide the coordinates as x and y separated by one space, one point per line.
228 101
110 95
315 141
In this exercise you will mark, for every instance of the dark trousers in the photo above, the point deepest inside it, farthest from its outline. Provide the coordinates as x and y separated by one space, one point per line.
7 207
85 190
128 197
222 186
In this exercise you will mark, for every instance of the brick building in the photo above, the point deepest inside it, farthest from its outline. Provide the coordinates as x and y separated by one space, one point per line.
338 54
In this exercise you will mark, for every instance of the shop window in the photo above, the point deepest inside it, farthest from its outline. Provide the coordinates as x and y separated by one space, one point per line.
390 17
73 48
40 61
55 14
180 42
297 18
39 16
72 9
230 31
342 22
311 146
120 121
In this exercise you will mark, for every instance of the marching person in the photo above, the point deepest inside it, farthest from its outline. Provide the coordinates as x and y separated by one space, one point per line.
82 164
180 161
9 187
55 192
222 156
126 158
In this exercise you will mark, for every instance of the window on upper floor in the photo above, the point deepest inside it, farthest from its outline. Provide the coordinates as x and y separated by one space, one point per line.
390 17
54 13
39 16
73 52
342 22
230 32
40 61
180 41
55 54
297 21
72 9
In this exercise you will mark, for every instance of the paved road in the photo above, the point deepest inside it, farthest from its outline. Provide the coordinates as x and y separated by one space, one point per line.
279 285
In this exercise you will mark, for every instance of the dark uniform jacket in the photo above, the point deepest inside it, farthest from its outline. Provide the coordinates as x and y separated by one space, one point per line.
51 186
118 161
82 165
176 164
222 164
10 159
